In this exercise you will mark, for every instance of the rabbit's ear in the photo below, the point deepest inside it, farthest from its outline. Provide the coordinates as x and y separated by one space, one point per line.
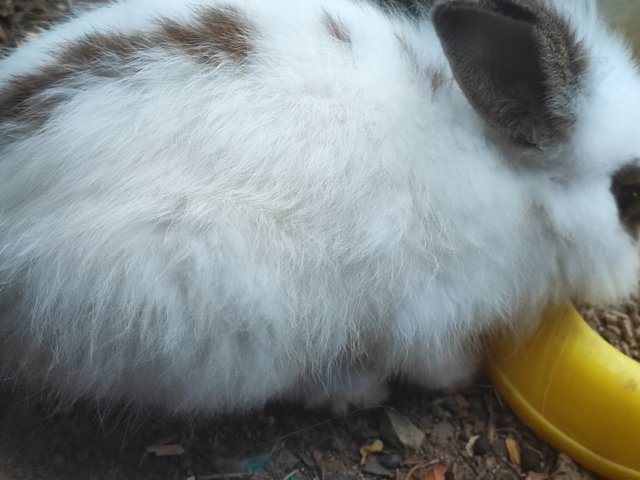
517 62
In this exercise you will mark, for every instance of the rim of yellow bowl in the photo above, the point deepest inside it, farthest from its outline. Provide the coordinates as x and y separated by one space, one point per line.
575 390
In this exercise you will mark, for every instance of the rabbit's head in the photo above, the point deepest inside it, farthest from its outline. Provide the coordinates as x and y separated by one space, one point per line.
561 97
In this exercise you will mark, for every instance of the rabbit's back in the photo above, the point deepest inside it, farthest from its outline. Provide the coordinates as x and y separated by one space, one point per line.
204 200
205 205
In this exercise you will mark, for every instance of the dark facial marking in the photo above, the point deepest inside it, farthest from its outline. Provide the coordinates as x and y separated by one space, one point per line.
625 186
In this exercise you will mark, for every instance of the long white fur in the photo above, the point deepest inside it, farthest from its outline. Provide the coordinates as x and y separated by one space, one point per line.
208 239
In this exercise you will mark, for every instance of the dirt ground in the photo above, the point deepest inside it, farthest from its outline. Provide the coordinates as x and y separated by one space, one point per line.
465 433
457 436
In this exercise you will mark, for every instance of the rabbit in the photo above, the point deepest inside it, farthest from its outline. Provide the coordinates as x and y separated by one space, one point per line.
210 205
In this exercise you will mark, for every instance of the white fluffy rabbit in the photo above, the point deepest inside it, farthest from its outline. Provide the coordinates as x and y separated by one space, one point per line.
205 205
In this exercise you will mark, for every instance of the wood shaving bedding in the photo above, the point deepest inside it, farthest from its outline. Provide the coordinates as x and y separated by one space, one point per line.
620 325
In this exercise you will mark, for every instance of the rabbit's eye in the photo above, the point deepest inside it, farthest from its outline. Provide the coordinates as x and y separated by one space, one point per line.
626 190
628 199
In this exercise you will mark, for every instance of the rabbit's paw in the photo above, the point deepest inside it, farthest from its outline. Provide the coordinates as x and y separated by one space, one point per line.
355 390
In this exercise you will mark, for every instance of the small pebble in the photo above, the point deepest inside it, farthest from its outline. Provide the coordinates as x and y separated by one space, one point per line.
481 446
374 468
390 460
530 460
504 420
436 411
454 407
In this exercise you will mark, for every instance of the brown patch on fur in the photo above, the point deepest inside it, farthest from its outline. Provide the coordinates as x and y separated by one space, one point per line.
336 29
434 76
28 99
98 47
437 80
409 52
19 100
217 31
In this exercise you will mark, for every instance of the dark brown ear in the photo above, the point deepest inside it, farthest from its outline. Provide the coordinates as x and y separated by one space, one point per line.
517 62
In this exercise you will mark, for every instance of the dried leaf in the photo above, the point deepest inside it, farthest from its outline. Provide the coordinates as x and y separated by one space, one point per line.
169 450
514 450
317 457
403 430
469 446
374 447
437 473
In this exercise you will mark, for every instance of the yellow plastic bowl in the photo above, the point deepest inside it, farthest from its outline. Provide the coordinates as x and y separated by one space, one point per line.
576 391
